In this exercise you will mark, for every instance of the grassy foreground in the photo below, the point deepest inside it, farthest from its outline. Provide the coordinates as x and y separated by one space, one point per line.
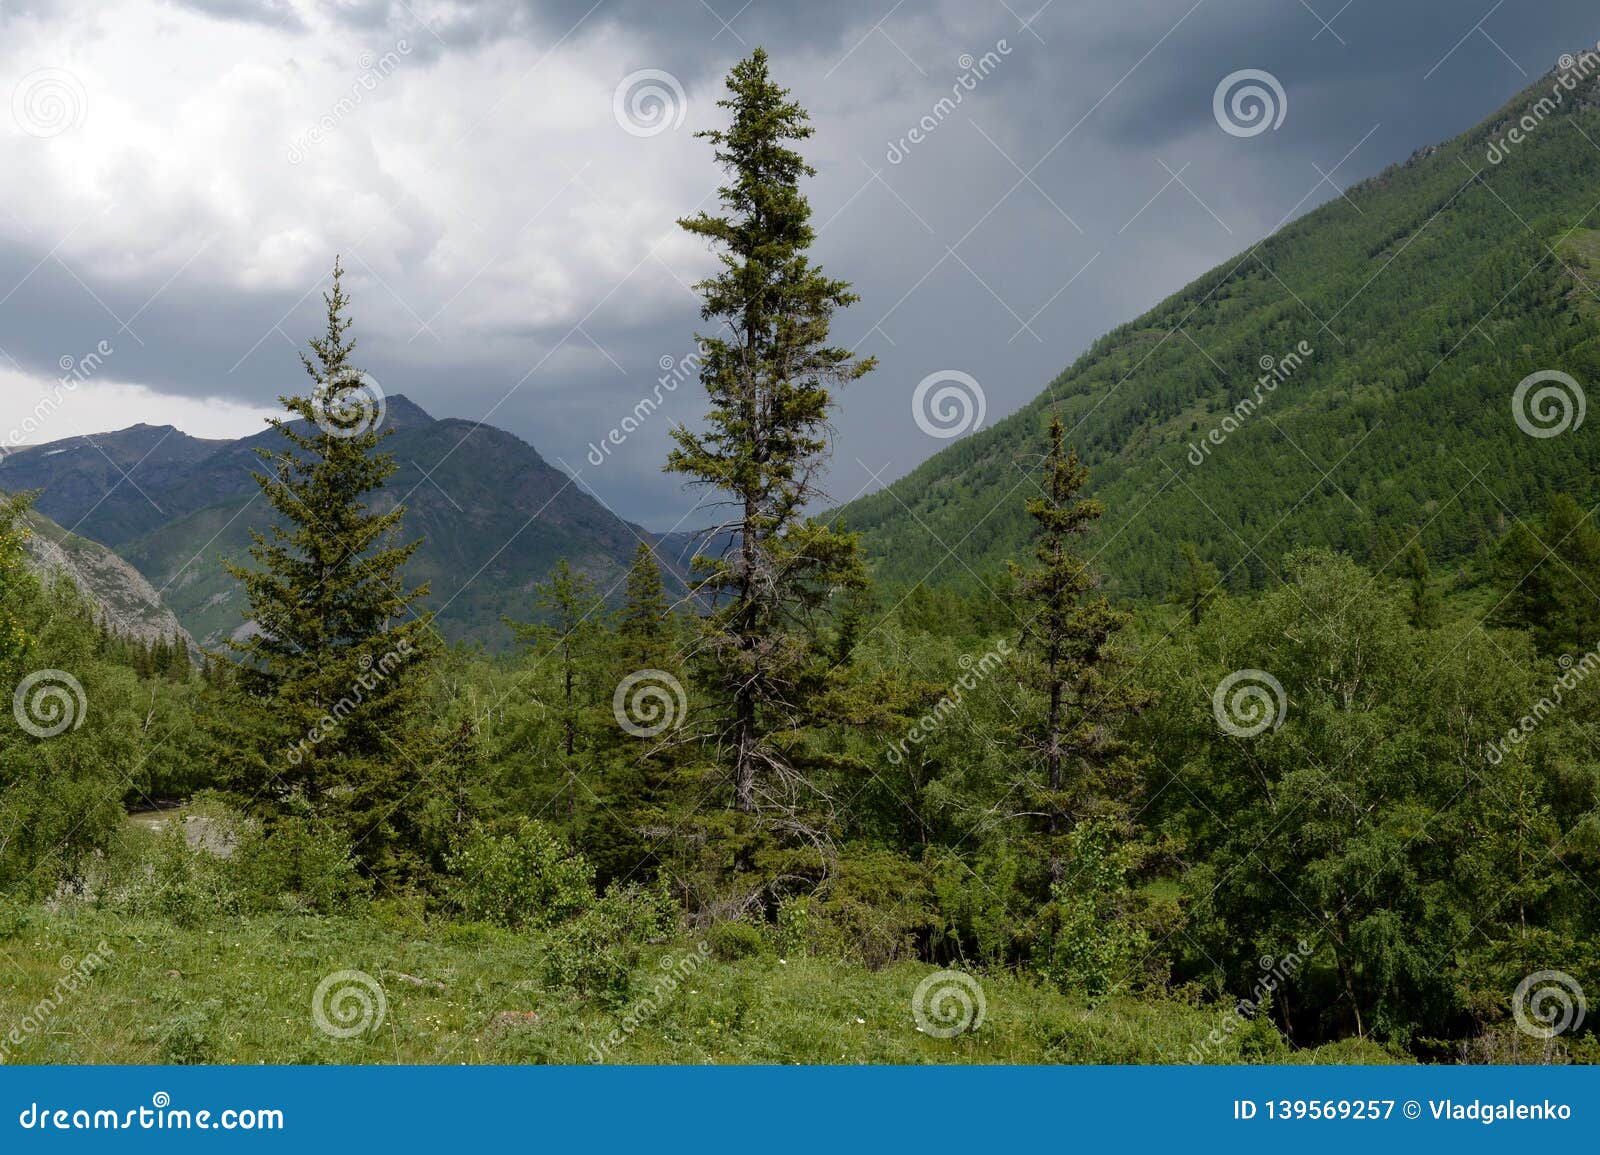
242 992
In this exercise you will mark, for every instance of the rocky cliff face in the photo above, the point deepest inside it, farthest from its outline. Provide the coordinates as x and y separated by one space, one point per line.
123 599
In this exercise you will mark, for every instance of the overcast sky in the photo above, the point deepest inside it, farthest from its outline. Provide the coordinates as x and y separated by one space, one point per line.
178 177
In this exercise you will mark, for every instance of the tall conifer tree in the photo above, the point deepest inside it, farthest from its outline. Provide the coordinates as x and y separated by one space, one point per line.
1068 634
331 676
768 371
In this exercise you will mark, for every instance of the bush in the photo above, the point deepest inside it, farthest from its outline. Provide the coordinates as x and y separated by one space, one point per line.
731 941
524 878
597 952
162 876
298 866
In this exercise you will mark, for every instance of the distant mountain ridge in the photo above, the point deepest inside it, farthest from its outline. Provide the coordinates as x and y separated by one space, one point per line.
493 516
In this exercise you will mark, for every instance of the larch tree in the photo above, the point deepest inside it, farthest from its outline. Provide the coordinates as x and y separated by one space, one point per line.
769 372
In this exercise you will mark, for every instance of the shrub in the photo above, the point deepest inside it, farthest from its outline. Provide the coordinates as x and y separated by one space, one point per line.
162 876
298 866
524 878
731 941
596 953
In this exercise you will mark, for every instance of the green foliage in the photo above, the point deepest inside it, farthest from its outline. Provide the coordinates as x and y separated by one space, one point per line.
596 953
324 692
736 940
1089 940
523 877
1400 415
769 374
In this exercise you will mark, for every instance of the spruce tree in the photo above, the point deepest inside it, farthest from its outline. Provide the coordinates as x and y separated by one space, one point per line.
645 624
1084 770
329 683
768 372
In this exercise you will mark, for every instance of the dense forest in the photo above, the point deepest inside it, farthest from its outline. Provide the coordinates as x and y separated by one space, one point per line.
1346 383
1347 812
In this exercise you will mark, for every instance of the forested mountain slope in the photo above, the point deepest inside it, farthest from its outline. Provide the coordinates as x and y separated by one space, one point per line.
1358 368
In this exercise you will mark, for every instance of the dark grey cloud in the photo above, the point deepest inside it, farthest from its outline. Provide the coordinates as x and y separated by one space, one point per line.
1036 215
